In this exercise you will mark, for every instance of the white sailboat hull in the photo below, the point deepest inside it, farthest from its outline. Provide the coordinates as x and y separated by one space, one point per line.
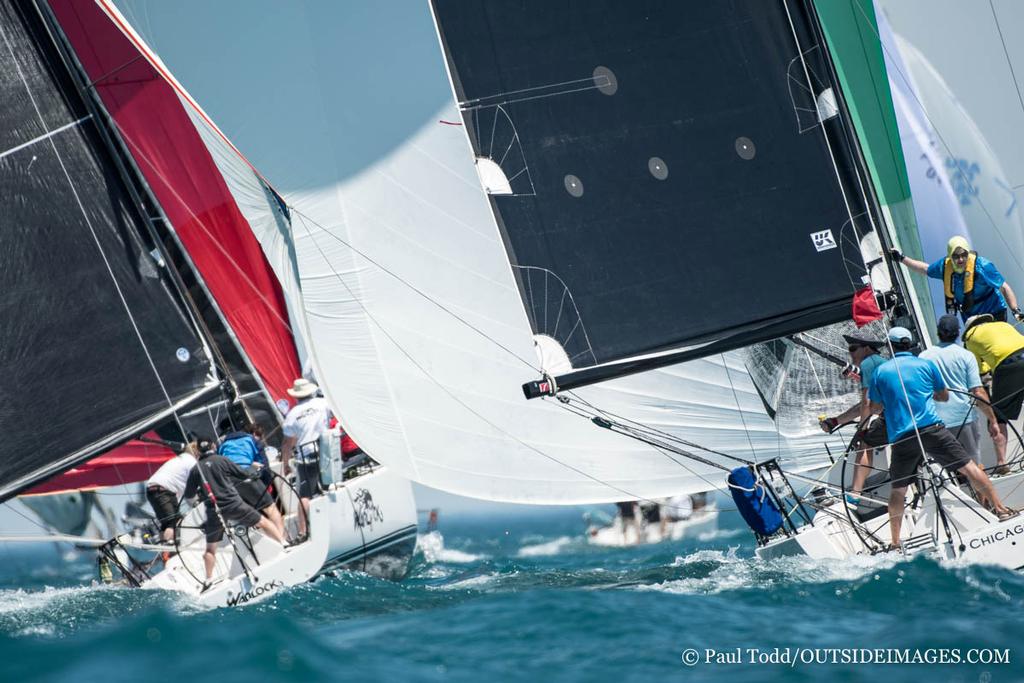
977 535
365 524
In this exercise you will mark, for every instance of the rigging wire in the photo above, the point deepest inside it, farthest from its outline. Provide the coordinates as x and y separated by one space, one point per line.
410 286
340 278
739 408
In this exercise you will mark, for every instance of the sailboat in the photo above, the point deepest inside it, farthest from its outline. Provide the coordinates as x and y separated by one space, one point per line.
121 320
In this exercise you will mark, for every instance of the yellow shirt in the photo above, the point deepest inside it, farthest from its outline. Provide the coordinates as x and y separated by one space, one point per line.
992 343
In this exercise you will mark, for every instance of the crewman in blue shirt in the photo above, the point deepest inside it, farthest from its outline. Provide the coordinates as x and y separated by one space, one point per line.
906 388
865 353
973 285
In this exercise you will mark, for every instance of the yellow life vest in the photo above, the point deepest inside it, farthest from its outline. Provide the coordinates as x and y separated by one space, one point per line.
947 281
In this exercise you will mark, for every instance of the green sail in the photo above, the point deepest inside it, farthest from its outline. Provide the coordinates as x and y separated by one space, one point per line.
851 30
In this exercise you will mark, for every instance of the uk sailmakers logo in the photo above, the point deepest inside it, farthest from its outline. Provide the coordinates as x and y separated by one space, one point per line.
366 511
823 240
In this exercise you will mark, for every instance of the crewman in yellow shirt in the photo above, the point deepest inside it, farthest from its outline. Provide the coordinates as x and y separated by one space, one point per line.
999 349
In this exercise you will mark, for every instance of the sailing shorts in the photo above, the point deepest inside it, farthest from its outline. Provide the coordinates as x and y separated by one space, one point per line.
240 514
875 435
165 506
939 443
969 436
1008 387
255 492
308 474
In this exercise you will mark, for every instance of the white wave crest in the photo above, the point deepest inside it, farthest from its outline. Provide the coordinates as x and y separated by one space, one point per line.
432 547
19 600
549 548
734 573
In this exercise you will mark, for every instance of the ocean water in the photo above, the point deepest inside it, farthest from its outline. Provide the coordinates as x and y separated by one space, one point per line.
524 598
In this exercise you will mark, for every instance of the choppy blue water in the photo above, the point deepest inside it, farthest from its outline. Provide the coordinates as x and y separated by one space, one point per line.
521 599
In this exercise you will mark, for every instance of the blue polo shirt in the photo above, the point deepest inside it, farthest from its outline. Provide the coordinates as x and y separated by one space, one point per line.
868 367
241 449
987 281
921 378
959 369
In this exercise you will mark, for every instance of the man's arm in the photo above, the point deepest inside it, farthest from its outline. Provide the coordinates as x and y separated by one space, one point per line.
287 446
857 410
915 265
941 395
191 485
986 409
875 408
1011 298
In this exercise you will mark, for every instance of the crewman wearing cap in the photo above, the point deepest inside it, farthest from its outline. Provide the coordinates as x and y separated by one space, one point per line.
906 388
303 426
959 369
973 285
865 354
999 348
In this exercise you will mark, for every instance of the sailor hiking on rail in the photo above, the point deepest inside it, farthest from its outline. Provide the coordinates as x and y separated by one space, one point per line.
972 284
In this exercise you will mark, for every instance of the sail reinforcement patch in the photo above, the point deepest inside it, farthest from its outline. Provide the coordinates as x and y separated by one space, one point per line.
745 148
573 185
658 168
605 80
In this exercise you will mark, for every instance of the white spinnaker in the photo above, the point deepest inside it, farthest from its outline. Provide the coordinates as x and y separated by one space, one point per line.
955 69
412 316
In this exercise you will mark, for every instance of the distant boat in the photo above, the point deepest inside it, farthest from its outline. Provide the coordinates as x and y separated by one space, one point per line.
649 528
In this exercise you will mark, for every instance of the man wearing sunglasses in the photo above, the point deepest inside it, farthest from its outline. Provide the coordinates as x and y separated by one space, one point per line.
864 353
973 285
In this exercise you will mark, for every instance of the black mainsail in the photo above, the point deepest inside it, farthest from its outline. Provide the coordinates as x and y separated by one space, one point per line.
666 167
96 345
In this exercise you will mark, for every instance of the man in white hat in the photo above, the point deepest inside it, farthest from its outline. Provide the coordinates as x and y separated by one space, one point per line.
303 426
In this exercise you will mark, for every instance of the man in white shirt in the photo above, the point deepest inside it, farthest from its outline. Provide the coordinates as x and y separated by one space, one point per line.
303 427
165 488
